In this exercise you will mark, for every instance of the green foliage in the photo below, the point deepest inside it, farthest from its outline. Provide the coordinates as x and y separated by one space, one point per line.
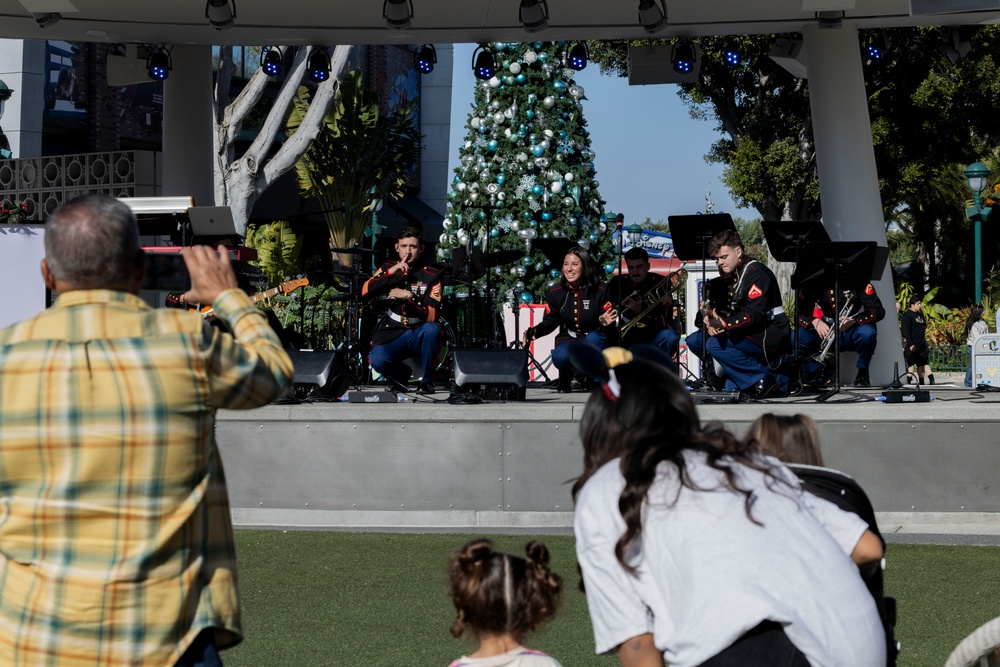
277 248
526 169
13 212
360 157
902 249
312 312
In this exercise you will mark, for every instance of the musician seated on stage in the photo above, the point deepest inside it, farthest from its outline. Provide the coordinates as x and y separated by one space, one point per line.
411 328
646 309
573 305
817 314
749 336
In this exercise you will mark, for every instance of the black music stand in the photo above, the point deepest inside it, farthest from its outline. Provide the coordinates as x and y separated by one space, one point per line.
691 234
847 262
785 240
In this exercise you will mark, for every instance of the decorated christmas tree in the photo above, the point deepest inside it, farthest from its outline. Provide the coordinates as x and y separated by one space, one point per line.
526 171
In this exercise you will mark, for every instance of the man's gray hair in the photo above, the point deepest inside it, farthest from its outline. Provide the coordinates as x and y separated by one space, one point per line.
92 242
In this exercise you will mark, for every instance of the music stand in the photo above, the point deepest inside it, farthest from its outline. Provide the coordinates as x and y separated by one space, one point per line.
785 239
691 234
849 262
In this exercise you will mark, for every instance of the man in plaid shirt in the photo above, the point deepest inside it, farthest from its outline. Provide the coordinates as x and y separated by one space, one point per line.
116 546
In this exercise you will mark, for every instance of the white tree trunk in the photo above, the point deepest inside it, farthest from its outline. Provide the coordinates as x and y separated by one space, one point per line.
239 182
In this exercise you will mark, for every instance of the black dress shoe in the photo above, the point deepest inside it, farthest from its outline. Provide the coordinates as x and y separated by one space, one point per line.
862 379
764 387
426 388
565 383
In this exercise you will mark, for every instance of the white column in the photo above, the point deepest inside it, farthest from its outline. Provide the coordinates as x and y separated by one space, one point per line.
848 180
187 125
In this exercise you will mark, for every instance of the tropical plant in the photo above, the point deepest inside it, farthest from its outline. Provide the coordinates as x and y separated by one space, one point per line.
277 248
360 157
315 312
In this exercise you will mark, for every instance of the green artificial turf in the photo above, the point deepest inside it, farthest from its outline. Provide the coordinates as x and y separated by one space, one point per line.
374 599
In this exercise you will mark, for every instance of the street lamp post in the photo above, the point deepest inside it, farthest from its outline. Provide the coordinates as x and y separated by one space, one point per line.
977 175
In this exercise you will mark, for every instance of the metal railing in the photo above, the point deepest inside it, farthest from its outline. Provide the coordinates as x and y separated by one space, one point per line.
949 357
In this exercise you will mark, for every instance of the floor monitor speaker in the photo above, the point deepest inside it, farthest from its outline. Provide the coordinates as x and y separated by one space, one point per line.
319 375
499 373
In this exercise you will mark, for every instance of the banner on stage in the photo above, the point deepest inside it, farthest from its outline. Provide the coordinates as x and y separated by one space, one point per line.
657 244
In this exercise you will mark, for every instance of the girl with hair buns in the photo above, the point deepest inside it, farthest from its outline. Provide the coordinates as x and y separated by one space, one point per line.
698 550
500 598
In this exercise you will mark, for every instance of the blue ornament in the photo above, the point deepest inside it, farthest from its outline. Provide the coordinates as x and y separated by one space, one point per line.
481 216
493 145
533 223
603 218
559 85
494 233
563 134
542 57
526 298
520 78
457 179
609 268
538 150
530 113
526 215
546 216
537 189
532 98
501 178
538 45
593 237
554 273
527 260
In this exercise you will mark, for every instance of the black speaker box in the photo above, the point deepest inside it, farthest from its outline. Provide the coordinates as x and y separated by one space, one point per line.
479 370
319 374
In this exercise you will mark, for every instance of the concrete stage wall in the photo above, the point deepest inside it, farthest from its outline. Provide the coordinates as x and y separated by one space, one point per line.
509 467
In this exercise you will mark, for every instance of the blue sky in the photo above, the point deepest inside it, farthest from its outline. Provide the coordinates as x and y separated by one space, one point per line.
650 152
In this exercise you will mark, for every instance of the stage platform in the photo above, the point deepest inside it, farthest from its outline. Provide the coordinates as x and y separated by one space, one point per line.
426 465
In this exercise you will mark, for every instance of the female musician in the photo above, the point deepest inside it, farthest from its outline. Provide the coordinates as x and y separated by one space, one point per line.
573 305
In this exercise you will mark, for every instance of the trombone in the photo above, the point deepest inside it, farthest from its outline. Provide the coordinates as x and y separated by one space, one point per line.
657 296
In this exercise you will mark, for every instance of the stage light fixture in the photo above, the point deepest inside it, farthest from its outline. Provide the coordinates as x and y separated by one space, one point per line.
47 19
877 47
683 57
830 20
577 56
484 65
425 58
534 15
270 61
319 65
652 15
731 55
220 14
158 64
397 13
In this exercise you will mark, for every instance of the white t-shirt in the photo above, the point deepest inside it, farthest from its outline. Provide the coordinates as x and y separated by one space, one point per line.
707 574
518 657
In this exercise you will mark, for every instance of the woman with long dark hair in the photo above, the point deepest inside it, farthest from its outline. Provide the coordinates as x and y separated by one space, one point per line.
699 550
573 306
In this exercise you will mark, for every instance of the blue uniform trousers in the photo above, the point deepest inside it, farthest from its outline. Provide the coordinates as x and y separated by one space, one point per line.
861 338
560 354
423 342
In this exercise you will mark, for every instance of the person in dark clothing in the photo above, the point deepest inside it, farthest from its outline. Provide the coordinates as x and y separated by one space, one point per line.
642 300
817 314
750 334
914 330
411 329
573 305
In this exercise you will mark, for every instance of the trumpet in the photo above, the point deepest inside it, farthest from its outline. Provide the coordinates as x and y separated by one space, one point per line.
826 348
657 296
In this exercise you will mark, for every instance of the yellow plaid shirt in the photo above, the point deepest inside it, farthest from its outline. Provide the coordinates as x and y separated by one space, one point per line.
116 544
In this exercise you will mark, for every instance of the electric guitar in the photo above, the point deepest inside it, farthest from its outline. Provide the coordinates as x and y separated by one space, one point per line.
284 288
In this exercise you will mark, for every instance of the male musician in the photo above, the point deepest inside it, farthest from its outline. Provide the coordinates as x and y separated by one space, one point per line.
411 330
645 306
749 341
818 313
